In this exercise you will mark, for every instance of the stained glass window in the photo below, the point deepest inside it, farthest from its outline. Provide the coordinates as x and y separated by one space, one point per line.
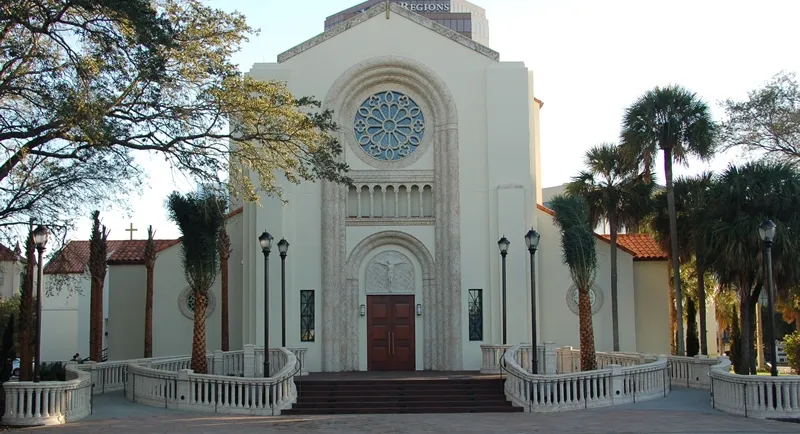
307 315
476 314
389 126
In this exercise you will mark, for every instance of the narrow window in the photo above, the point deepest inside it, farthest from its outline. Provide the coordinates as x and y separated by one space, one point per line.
307 315
476 314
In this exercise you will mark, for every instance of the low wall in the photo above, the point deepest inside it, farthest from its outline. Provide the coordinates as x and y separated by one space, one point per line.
644 377
756 396
49 402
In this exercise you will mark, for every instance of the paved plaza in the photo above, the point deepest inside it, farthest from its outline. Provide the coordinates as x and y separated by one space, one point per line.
683 411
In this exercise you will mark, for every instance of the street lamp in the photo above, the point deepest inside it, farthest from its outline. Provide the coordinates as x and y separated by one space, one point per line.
503 244
767 233
40 236
266 245
283 248
532 242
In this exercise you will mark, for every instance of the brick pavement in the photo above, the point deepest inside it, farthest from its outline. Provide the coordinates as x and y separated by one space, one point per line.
683 411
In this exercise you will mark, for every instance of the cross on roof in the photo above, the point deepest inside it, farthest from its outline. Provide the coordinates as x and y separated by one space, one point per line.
131 230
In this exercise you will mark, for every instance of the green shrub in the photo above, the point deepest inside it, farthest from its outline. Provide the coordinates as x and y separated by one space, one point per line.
53 372
792 348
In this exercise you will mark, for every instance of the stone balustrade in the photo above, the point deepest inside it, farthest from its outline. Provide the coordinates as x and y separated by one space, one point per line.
693 371
185 390
492 354
49 402
756 396
613 385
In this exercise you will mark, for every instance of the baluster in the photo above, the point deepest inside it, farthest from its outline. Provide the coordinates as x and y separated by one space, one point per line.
358 196
383 200
371 204
421 206
396 201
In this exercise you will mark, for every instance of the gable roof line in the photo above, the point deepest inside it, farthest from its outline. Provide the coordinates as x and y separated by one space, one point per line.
598 236
377 10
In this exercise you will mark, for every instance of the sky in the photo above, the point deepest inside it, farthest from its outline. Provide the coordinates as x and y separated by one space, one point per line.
591 59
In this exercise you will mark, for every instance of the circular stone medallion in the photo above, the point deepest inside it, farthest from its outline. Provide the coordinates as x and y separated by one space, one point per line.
389 126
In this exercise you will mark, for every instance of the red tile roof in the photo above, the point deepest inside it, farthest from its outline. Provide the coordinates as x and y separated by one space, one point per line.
642 247
645 247
74 257
8 255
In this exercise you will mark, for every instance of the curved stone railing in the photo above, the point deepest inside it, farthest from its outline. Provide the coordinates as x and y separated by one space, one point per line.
757 396
49 402
693 371
161 386
612 385
491 356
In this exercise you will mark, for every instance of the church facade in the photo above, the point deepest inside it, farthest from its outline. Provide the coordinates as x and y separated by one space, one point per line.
401 270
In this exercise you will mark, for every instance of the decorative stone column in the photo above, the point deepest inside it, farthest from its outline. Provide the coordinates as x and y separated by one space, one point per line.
249 361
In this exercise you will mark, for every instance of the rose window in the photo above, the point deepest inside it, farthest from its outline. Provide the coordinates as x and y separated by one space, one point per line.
389 126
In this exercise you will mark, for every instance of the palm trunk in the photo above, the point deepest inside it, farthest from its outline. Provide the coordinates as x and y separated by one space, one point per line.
588 356
614 227
701 301
673 238
199 362
96 321
148 315
224 291
745 345
26 314
673 321
752 338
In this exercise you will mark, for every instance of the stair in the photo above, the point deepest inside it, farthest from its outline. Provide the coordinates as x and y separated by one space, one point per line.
474 395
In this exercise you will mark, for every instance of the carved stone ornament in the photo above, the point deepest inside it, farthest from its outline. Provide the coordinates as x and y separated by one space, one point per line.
595 298
390 272
186 303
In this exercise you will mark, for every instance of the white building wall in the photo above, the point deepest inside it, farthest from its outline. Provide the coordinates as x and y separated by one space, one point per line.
65 329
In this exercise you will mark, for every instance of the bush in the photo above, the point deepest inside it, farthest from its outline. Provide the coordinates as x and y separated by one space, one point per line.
53 372
792 348
692 337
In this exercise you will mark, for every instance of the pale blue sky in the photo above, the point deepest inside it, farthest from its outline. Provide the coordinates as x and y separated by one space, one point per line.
591 59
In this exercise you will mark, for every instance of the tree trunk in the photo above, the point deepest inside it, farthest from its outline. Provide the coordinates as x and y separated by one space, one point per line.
199 362
752 338
588 356
745 346
614 227
96 320
760 361
26 313
148 315
224 291
692 342
701 301
673 322
673 238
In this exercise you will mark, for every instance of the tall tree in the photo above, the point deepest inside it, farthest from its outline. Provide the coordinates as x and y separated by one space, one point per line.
579 253
98 264
692 197
150 265
86 85
743 198
200 217
677 122
616 192
224 256
27 310
768 122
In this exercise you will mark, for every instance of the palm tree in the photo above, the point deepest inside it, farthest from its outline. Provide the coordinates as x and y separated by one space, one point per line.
744 197
200 217
580 255
679 123
224 255
692 196
98 264
149 264
616 192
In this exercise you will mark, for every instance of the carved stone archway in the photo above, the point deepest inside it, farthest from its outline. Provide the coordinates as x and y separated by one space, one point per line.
340 304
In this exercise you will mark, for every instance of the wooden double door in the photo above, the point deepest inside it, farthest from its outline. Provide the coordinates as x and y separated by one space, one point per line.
390 333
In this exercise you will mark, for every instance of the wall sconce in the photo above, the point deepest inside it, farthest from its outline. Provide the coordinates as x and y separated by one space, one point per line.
419 310
363 310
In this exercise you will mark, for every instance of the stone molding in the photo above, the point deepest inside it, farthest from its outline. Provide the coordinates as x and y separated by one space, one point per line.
380 9
391 221
379 177
340 295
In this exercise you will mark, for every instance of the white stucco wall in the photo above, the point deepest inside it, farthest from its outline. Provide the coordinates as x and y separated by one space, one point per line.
65 318
10 278
652 306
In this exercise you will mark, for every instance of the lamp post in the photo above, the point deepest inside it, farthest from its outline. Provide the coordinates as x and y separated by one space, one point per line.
40 235
266 245
503 244
532 242
283 248
767 233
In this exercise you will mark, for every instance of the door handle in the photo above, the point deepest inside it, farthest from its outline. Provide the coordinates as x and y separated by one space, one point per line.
391 343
